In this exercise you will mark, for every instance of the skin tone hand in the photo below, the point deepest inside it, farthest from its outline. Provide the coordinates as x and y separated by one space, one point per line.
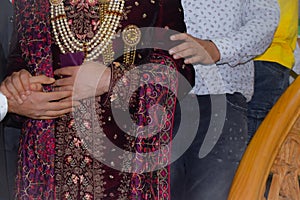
43 105
36 104
88 80
194 50
20 84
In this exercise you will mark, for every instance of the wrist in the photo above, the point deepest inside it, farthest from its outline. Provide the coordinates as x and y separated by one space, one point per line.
215 53
107 79
104 83
212 51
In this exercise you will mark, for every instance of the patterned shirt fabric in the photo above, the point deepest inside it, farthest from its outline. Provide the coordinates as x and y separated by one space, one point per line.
3 106
241 30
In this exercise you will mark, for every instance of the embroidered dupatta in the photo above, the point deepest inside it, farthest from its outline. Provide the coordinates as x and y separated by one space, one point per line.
45 149
35 177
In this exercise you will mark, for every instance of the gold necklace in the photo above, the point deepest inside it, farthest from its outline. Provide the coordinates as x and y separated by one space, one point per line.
102 40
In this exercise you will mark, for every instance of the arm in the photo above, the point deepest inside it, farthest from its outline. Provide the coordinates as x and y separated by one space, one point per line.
260 19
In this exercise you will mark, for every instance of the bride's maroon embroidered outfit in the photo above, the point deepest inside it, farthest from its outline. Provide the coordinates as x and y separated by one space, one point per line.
61 159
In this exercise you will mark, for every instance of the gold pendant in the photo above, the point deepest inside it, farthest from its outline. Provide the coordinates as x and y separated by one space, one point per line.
131 35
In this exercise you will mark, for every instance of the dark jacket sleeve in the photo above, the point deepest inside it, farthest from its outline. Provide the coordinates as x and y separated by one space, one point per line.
3 63
15 61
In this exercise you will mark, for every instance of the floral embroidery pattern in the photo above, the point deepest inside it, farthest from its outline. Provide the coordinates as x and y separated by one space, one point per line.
37 142
60 159
83 18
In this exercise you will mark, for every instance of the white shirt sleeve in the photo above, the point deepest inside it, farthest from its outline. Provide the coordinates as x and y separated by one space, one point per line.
3 106
260 19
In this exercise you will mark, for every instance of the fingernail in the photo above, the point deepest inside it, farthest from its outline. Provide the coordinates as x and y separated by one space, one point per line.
24 97
27 92
171 51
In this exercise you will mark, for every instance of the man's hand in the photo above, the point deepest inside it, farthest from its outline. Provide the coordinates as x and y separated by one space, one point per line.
43 105
20 84
194 50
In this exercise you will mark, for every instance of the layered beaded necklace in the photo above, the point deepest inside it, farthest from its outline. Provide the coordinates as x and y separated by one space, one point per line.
102 40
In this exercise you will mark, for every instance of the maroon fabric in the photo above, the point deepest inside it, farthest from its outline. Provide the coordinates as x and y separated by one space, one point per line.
37 145
32 50
71 59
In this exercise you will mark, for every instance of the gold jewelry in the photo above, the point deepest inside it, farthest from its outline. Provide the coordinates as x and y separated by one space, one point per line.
108 53
131 36
67 42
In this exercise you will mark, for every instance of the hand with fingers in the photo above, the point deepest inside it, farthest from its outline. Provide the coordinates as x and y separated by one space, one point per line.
43 105
88 80
25 96
194 50
20 84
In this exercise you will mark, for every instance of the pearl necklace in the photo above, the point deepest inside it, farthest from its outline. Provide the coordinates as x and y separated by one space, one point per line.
66 40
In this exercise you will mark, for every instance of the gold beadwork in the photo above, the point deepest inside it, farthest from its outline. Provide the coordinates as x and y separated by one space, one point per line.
66 40
108 53
131 36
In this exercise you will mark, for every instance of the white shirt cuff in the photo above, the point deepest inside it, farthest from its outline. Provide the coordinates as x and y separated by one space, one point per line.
3 106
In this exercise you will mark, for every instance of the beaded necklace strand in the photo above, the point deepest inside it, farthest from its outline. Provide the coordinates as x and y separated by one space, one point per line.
93 48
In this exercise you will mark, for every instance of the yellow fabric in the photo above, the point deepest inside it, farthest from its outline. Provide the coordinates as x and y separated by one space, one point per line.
285 37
